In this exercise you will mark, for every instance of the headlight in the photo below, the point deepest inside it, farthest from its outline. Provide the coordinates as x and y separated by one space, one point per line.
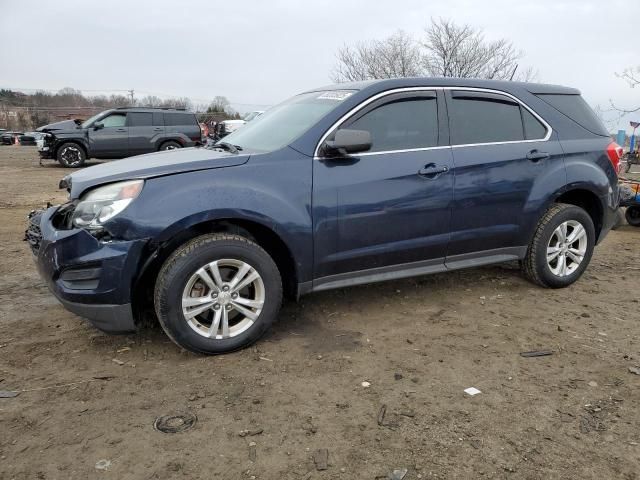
104 203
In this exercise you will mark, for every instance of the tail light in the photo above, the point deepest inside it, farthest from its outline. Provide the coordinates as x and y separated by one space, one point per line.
614 152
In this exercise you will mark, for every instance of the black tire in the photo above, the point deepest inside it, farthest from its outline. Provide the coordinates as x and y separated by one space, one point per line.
169 145
535 266
179 268
633 216
71 155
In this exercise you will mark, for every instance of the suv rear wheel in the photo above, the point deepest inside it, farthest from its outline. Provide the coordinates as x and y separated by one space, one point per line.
71 155
561 247
170 145
217 293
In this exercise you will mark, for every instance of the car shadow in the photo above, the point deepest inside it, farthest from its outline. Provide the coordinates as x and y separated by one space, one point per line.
56 165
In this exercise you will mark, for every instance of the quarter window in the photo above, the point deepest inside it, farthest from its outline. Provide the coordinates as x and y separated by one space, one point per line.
401 124
533 129
574 107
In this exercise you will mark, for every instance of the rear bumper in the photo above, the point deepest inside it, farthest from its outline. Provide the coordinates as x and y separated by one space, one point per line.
610 214
608 221
91 278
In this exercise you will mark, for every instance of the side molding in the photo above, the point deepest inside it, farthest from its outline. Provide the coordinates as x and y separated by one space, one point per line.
414 269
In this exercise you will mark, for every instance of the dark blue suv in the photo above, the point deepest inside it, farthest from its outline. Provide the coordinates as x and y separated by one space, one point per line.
338 186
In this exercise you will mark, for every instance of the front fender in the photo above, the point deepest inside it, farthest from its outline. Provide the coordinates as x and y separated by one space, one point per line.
276 195
59 139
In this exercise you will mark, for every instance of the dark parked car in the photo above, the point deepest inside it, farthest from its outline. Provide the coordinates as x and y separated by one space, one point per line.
118 133
9 138
30 138
339 186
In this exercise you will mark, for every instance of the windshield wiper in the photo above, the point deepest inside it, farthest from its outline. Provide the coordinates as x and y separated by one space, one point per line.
227 146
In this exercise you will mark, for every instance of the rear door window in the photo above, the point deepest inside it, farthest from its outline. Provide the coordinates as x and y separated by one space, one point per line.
402 124
476 118
139 119
158 119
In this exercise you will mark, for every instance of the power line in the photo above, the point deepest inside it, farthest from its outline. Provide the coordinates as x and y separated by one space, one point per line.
205 100
131 92
30 107
50 90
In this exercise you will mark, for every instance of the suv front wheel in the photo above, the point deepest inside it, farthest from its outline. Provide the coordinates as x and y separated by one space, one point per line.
71 155
561 247
217 293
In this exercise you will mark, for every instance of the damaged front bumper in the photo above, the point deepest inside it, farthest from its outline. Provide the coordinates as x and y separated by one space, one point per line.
45 146
90 277
45 154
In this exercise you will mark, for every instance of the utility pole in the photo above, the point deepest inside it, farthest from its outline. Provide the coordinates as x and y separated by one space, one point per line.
131 95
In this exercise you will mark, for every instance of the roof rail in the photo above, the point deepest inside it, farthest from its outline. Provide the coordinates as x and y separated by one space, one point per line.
179 109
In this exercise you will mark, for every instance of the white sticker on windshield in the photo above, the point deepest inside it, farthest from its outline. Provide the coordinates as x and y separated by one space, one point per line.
337 95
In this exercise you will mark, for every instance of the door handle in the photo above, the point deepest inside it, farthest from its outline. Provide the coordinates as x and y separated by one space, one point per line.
431 170
121 130
157 129
536 156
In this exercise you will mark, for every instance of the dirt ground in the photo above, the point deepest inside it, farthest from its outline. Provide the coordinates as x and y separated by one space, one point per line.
88 401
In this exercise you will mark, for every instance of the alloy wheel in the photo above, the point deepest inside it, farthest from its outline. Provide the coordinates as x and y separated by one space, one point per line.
223 298
71 155
567 248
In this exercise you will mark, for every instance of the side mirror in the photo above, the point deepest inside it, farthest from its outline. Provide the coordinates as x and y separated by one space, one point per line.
347 141
98 125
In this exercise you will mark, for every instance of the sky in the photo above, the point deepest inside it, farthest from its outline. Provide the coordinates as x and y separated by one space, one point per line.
258 53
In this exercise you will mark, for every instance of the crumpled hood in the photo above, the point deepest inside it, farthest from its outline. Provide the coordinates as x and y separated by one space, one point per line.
63 125
148 166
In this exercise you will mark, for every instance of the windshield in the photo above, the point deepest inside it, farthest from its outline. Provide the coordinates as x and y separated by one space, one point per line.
251 116
87 123
282 124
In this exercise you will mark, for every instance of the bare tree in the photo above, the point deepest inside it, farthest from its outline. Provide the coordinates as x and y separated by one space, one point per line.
69 91
219 104
527 74
461 51
632 76
182 102
25 111
447 50
395 56
150 101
